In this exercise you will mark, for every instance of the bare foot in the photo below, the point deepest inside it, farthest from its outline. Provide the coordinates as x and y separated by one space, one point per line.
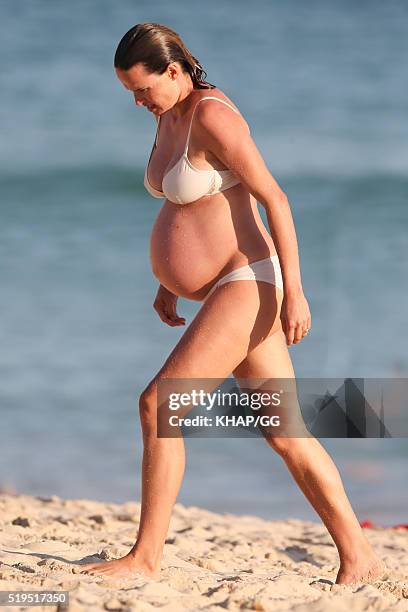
367 570
125 567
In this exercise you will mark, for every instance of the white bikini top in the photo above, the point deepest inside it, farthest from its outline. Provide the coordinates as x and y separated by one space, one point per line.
184 183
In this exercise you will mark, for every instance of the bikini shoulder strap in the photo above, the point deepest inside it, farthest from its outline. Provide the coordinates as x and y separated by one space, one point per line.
192 116
157 131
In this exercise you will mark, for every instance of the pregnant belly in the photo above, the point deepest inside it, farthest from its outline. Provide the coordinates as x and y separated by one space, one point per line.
187 250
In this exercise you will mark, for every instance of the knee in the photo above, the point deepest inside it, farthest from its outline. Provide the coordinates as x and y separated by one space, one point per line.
148 407
283 445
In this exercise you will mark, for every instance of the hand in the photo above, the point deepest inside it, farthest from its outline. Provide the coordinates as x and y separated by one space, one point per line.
295 317
165 306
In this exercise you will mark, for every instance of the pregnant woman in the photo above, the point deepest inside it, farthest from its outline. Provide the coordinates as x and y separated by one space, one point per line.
209 244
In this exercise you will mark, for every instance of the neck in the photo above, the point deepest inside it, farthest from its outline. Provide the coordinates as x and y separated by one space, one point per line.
186 87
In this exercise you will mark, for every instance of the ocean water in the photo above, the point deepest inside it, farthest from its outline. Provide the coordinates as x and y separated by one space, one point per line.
320 85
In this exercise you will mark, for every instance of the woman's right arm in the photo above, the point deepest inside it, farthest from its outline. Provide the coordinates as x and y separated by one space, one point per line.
165 304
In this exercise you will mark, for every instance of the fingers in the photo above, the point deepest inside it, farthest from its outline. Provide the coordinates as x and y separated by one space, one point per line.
290 332
296 319
170 319
296 332
167 313
170 310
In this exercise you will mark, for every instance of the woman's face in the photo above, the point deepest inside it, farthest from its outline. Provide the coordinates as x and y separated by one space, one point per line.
157 92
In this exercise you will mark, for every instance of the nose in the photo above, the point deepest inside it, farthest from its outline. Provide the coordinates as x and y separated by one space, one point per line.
138 102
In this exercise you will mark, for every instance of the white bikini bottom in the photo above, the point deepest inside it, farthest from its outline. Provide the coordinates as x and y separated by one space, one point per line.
267 270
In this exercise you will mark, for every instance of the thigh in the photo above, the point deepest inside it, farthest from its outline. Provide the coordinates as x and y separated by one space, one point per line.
269 359
234 320
268 368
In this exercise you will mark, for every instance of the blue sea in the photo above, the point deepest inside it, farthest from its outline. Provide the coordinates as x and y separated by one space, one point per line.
321 86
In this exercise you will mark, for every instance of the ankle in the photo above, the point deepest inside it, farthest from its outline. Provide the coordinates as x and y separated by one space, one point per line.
356 552
357 556
151 564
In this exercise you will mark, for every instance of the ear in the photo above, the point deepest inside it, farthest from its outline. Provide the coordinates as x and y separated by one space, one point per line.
173 70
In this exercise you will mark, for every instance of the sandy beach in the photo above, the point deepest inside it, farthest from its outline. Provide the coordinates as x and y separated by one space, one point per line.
211 561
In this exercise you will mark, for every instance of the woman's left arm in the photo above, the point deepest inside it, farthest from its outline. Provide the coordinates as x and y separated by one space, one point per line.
226 135
295 312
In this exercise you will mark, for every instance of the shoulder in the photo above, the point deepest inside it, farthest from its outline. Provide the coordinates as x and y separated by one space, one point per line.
212 114
209 107
210 94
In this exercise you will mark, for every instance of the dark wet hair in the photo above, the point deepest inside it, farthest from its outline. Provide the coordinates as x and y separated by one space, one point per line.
156 46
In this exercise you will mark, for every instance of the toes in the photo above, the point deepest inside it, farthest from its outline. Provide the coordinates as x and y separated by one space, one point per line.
88 570
98 570
86 567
